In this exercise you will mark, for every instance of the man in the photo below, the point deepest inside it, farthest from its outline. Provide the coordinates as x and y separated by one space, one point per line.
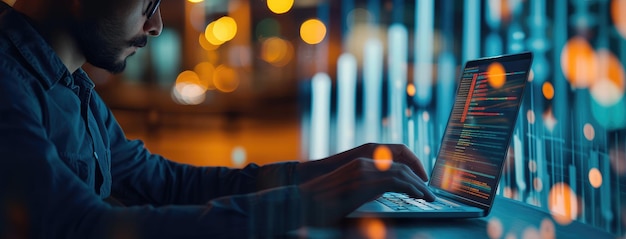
64 158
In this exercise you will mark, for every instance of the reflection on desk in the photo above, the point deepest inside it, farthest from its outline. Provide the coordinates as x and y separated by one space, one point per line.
509 219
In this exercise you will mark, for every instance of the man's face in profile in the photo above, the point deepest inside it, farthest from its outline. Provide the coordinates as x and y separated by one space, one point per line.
108 39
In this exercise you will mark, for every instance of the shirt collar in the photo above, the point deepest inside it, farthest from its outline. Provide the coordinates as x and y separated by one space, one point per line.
35 49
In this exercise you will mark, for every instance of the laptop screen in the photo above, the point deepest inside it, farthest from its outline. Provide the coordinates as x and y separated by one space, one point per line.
476 139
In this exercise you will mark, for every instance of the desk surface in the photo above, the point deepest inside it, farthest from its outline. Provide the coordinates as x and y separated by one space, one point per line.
508 219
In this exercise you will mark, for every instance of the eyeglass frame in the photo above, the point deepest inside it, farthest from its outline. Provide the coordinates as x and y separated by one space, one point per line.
152 8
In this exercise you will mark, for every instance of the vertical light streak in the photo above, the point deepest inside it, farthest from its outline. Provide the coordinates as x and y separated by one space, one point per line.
520 167
398 47
471 30
493 18
560 101
446 72
605 192
373 86
411 135
423 136
346 101
320 116
423 51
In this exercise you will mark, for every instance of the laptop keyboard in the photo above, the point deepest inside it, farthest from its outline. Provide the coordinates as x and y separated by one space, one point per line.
402 202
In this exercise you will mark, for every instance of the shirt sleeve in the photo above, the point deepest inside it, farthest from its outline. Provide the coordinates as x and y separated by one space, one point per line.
41 198
140 177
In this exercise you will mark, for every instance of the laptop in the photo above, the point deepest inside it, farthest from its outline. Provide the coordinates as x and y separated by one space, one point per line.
474 147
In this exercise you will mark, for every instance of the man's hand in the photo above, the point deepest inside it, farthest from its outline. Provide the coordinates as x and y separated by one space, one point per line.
328 198
400 154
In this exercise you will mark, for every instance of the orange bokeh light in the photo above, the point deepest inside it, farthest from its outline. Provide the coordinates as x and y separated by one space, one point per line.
611 68
494 228
496 75
530 116
548 90
225 79
373 228
618 8
547 229
610 85
595 178
531 233
617 158
382 158
563 203
538 184
579 62
410 89
589 132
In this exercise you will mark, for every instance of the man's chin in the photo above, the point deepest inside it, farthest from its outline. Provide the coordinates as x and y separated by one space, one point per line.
114 68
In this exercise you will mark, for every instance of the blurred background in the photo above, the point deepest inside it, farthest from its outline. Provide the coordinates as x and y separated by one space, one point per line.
241 81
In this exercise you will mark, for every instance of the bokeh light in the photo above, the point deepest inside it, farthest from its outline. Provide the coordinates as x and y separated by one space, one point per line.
618 8
496 75
225 28
563 203
205 44
532 166
410 89
549 121
547 229
617 157
195 1
280 6
595 178
494 228
382 158
589 131
426 116
579 62
225 79
372 228
276 51
188 94
205 71
531 233
548 90
427 150
538 184
609 87
238 156
210 35
313 31
530 116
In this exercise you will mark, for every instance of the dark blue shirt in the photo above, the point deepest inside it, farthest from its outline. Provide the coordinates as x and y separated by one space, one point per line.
62 153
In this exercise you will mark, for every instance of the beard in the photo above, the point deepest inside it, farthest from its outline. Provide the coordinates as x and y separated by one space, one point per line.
102 42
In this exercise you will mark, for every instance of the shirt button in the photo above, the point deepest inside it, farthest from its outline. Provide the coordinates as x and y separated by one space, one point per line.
95 154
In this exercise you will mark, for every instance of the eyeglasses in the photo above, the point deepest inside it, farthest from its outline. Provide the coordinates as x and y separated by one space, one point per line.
152 8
